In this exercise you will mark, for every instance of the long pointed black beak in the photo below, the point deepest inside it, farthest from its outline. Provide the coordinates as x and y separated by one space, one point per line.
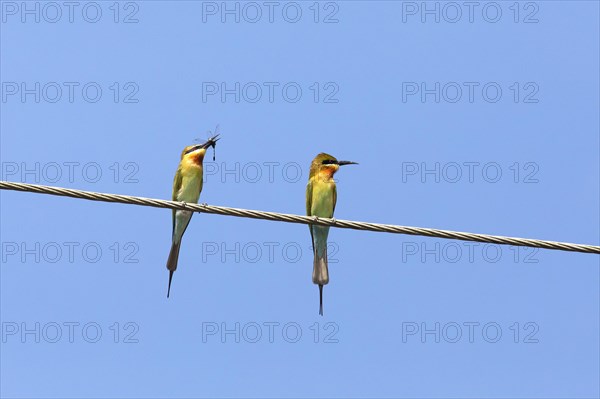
211 142
341 163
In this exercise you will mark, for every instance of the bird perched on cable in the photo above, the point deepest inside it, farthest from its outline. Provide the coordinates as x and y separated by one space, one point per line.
187 186
321 197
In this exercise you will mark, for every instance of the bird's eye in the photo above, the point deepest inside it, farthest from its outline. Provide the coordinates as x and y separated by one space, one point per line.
328 162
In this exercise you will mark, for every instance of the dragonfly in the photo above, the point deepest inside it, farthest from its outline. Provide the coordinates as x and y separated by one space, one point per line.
213 137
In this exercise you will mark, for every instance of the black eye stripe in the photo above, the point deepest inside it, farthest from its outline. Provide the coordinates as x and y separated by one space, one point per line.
329 162
191 150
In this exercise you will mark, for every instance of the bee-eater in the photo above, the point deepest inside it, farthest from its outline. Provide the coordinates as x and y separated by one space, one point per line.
187 186
321 196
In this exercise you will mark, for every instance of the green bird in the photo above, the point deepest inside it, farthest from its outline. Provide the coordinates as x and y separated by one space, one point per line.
187 186
321 197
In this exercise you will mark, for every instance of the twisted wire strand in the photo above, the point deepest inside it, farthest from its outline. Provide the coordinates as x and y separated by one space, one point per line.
289 218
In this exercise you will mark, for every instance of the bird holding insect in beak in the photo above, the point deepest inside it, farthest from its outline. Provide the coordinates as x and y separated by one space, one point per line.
321 197
187 186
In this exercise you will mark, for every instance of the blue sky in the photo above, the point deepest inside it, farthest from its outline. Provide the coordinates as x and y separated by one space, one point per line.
485 120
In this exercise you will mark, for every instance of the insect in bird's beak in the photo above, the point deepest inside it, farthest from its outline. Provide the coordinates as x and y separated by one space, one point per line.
212 142
341 163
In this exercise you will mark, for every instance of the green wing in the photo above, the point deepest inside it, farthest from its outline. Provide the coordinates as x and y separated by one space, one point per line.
177 181
334 199
309 192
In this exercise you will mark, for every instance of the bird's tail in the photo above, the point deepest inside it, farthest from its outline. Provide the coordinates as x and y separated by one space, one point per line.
320 275
321 299
172 262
